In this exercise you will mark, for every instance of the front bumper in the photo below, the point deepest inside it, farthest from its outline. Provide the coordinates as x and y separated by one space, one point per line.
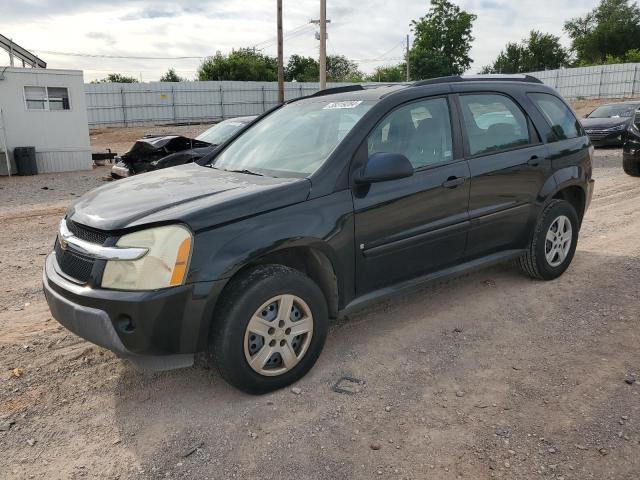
613 139
157 330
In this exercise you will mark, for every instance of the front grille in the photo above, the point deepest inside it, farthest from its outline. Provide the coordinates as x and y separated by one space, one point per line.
73 264
86 233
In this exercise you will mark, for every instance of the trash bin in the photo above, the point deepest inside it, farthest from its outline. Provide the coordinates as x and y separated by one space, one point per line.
25 158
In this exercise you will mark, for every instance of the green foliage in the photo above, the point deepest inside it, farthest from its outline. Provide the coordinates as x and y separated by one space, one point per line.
245 64
632 56
171 76
341 69
302 69
117 78
442 41
611 28
307 69
389 73
539 51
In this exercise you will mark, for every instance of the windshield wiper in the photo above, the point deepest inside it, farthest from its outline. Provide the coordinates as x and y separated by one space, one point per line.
248 172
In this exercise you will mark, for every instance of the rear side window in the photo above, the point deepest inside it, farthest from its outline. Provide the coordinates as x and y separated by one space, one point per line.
421 131
493 123
563 123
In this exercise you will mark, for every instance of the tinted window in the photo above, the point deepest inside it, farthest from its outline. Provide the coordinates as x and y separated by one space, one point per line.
493 123
563 123
421 131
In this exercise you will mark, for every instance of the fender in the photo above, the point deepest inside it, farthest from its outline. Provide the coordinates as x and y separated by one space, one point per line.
561 179
323 224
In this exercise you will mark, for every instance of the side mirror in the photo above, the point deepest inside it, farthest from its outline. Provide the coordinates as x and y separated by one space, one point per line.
382 167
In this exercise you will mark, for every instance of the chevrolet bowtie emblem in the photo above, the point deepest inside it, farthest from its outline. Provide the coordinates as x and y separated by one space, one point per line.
63 243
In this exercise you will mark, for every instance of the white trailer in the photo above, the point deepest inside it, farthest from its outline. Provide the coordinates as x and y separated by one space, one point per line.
46 109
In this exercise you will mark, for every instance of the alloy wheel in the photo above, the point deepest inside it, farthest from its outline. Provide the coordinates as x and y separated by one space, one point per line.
278 335
558 241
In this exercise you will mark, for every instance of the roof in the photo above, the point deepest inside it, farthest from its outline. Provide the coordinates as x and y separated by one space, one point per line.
377 91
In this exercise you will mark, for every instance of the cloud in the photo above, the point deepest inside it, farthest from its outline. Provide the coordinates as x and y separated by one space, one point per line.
199 28
101 36
153 13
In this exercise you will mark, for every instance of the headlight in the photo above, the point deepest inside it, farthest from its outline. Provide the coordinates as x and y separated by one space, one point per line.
164 265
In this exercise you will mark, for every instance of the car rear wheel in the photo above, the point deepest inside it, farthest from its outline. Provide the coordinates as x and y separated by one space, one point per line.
553 243
269 330
631 166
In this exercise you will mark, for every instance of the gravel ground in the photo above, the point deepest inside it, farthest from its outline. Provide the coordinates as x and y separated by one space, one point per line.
490 375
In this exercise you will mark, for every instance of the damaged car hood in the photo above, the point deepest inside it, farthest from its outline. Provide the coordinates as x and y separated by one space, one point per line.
201 197
165 144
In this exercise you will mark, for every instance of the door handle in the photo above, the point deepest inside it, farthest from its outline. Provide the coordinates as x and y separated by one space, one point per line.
453 182
534 161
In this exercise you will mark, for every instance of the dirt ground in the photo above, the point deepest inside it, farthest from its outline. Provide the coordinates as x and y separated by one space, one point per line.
490 375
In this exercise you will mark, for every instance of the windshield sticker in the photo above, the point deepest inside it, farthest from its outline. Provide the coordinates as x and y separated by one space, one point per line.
346 104
235 124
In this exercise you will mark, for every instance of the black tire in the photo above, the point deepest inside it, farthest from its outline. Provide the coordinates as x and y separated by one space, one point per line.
631 166
241 299
534 262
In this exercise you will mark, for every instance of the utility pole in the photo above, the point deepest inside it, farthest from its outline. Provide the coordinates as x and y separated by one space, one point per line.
323 44
408 75
280 56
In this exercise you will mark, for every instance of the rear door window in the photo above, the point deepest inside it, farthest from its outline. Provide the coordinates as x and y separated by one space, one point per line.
563 122
493 123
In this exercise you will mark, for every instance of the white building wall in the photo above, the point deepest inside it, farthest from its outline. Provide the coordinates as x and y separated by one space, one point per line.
61 137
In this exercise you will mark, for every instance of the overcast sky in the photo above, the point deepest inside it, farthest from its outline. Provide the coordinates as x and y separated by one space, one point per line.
372 32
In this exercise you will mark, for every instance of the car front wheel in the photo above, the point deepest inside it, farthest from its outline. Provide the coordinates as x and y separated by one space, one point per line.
269 329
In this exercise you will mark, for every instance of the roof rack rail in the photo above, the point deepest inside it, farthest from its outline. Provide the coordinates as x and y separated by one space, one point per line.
478 78
332 90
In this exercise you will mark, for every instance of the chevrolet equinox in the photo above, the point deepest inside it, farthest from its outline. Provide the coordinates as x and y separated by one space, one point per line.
323 204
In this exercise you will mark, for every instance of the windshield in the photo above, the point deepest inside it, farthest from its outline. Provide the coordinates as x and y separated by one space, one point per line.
293 141
611 111
220 132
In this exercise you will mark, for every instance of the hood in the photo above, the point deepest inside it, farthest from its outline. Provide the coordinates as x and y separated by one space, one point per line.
604 122
201 197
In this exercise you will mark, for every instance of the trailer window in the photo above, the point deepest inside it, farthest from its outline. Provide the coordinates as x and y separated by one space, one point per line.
36 98
46 98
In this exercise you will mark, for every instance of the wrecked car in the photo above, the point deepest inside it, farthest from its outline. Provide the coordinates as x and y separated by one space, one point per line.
631 148
607 124
153 152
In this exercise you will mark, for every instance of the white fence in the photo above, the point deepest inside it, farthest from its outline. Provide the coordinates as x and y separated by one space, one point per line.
129 104
602 81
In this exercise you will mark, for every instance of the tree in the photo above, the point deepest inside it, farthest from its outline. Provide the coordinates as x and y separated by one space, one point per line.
539 51
171 76
302 69
245 64
389 73
442 41
117 78
341 69
611 28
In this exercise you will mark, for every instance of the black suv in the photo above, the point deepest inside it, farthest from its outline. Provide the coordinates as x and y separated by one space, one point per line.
323 204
